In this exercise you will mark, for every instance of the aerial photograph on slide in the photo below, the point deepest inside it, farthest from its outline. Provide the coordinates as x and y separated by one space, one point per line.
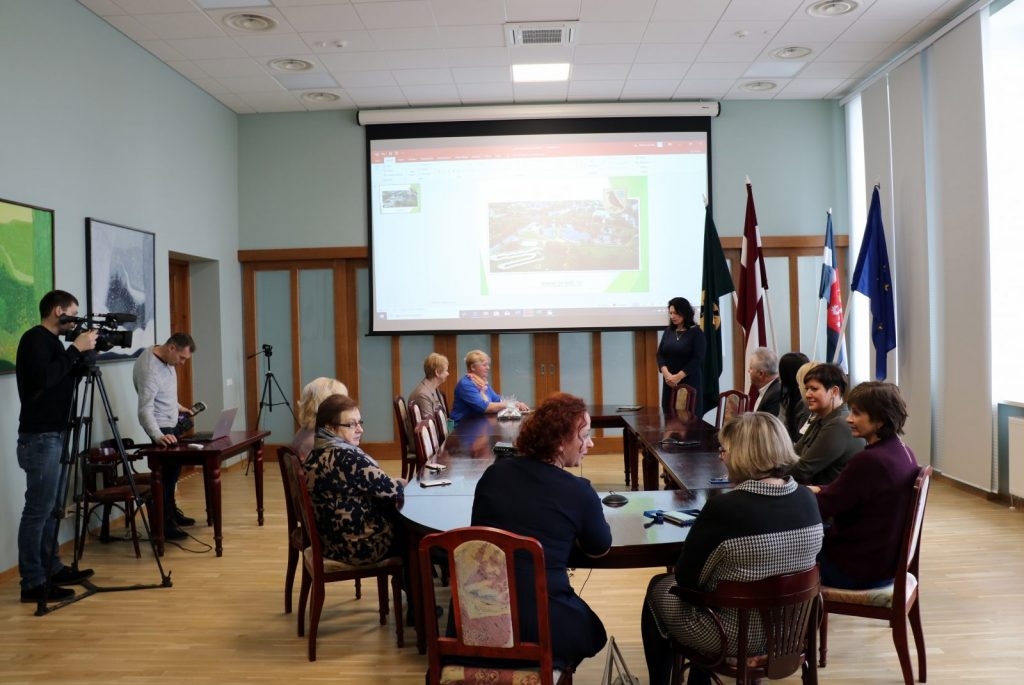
565 235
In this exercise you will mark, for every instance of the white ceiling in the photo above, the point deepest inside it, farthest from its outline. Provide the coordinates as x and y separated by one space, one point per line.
415 53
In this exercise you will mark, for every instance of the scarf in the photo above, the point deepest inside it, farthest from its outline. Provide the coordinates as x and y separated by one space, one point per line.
325 440
479 382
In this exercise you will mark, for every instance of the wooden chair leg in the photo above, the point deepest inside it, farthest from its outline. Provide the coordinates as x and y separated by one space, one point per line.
915 625
316 607
823 634
396 592
304 586
289 578
359 588
899 638
382 598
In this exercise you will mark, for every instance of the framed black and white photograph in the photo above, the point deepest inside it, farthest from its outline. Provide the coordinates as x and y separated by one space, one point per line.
121 275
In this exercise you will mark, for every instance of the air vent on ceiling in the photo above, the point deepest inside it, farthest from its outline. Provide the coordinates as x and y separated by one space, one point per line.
541 33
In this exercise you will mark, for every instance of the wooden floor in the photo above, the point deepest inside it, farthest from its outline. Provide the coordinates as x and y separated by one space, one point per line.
223 620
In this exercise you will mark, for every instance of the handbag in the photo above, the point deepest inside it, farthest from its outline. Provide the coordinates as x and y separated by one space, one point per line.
616 672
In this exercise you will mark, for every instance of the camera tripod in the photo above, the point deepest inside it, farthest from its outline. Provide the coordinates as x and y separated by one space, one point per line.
267 394
71 479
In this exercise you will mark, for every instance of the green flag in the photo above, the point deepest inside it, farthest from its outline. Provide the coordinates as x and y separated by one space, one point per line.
717 281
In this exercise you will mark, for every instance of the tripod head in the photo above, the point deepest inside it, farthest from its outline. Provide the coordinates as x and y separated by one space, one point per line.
267 351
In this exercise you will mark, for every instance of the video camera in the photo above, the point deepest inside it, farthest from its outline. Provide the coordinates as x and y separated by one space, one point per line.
108 336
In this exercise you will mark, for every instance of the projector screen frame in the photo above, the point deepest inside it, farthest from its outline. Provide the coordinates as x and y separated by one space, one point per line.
455 129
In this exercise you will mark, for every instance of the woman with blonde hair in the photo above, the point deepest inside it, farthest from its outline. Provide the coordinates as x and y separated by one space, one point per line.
474 395
767 525
427 394
315 392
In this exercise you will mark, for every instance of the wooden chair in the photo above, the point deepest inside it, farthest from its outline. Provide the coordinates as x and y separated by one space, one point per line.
318 570
896 602
441 423
403 426
104 484
295 540
730 404
488 645
684 399
425 440
788 606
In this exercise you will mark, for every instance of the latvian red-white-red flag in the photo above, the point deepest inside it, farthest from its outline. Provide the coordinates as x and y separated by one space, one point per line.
751 302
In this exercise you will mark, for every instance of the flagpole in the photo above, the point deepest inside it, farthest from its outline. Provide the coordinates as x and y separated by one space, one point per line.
817 332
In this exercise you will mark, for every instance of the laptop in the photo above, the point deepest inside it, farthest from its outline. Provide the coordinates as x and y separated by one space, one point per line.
220 430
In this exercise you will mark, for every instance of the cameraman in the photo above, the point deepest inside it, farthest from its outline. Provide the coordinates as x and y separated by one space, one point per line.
156 382
46 385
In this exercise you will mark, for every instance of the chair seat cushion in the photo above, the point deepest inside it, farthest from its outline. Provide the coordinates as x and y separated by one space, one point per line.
333 566
472 675
872 597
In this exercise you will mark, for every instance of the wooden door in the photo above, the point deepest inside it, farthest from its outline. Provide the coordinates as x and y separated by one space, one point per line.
181 320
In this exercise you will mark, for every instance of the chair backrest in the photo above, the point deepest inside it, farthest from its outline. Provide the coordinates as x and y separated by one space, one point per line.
297 490
684 399
910 552
441 423
788 606
284 454
485 599
425 442
403 425
414 414
730 403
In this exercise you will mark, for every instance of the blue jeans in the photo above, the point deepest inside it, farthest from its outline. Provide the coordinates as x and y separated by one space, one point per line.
39 456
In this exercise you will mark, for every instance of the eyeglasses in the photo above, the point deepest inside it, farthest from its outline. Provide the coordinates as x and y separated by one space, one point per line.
350 425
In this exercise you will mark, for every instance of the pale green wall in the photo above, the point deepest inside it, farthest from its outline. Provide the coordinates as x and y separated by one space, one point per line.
302 179
92 125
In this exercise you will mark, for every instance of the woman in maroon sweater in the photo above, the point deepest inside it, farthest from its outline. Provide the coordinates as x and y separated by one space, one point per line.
868 503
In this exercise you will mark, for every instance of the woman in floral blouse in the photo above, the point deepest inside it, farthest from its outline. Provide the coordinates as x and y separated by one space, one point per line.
353 497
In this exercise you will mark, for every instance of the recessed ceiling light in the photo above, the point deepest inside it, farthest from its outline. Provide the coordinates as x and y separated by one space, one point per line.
831 8
539 73
248 21
792 52
759 86
290 64
320 97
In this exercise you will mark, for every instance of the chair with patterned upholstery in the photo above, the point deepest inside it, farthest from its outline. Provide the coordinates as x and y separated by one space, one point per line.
896 602
787 607
404 426
684 399
318 570
488 645
730 403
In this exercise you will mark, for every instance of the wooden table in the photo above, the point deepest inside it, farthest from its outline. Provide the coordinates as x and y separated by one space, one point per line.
209 456
650 433
467 453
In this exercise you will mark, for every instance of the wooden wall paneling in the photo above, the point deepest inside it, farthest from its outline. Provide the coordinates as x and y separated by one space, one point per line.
446 345
180 294
597 365
249 340
296 336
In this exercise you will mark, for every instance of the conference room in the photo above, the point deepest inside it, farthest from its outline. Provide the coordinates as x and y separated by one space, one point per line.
261 217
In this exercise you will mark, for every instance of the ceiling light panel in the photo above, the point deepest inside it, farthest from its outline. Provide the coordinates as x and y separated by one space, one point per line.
540 73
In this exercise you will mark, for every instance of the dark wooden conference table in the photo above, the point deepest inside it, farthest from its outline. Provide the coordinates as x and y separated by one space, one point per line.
468 452
210 456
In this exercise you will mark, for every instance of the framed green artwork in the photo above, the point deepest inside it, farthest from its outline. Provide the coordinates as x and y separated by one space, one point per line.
26 272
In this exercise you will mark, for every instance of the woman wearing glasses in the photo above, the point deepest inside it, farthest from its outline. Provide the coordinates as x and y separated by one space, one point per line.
353 497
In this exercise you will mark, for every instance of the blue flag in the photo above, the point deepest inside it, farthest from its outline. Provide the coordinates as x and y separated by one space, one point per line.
872 277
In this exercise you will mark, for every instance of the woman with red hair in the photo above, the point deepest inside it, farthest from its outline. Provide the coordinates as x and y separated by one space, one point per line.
534 494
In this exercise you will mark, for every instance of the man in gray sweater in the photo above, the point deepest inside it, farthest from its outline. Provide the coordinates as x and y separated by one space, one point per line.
156 382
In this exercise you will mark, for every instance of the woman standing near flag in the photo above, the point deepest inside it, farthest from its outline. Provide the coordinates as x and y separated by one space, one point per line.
681 354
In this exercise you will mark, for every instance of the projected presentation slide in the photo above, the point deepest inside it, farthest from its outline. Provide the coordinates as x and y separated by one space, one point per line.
588 231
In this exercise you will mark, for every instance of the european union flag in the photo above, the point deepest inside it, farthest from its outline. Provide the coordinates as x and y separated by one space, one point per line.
873 278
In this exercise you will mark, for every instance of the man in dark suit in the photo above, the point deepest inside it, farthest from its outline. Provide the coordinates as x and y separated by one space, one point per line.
764 375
